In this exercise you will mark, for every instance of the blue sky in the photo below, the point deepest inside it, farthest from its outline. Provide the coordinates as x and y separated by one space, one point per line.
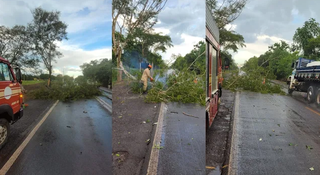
89 28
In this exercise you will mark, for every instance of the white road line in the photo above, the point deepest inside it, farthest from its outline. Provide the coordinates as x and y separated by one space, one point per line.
154 157
104 104
233 161
16 154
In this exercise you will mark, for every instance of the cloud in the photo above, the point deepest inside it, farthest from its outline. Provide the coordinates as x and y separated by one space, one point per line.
74 57
183 48
262 23
89 28
257 48
184 22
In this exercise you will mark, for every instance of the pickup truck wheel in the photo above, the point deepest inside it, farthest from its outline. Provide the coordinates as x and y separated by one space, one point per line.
4 131
318 98
311 94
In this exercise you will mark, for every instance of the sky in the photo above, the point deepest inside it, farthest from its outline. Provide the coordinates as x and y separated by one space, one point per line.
89 28
263 23
184 22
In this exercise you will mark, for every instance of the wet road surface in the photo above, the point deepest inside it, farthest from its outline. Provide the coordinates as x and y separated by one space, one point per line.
183 140
19 130
74 139
275 134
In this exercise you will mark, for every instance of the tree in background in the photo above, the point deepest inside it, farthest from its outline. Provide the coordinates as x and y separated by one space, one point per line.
305 38
197 52
274 62
46 29
15 46
225 13
148 43
128 15
98 71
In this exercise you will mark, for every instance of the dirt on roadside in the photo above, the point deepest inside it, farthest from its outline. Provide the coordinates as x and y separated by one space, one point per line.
218 137
29 89
132 130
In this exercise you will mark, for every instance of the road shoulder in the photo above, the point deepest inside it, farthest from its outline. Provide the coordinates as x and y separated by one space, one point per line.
133 130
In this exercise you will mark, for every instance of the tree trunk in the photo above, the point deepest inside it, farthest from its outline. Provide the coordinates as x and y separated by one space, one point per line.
49 80
119 78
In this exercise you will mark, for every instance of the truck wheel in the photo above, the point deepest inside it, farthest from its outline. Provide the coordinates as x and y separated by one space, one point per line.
4 131
318 98
311 94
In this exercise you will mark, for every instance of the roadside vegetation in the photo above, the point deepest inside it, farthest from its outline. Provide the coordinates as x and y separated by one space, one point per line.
187 84
65 88
68 89
276 62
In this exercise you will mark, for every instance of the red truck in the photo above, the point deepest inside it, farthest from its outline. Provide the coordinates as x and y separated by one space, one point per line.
11 98
214 69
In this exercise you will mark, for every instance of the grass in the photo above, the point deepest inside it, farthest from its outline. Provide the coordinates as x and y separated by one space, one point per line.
30 82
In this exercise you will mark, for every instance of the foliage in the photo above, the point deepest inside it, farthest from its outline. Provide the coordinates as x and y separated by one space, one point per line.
252 81
45 30
67 90
128 15
225 13
181 88
276 61
98 71
15 45
147 42
303 35
199 65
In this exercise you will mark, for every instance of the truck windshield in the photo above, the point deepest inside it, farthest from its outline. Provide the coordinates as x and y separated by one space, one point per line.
5 73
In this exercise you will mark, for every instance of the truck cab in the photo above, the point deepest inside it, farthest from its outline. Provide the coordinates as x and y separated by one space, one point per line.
11 98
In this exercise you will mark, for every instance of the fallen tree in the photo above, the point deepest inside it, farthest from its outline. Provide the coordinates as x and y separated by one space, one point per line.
256 80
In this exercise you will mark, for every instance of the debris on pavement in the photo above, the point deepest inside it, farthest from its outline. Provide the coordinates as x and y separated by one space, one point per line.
68 126
260 139
225 166
210 167
85 112
309 147
311 169
174 112
190 115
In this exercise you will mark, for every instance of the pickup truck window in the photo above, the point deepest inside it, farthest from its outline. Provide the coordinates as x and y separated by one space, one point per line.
5 73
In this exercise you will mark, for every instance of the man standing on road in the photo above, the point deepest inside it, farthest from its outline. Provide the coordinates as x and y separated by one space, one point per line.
144 78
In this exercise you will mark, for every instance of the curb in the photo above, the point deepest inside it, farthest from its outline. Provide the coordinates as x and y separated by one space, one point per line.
233 164
154 156
104 104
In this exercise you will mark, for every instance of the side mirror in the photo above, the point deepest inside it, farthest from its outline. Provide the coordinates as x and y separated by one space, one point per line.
18 75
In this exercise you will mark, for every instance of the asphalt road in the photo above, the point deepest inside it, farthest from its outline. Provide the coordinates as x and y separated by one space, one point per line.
19 130
275 134
74 139
183 140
